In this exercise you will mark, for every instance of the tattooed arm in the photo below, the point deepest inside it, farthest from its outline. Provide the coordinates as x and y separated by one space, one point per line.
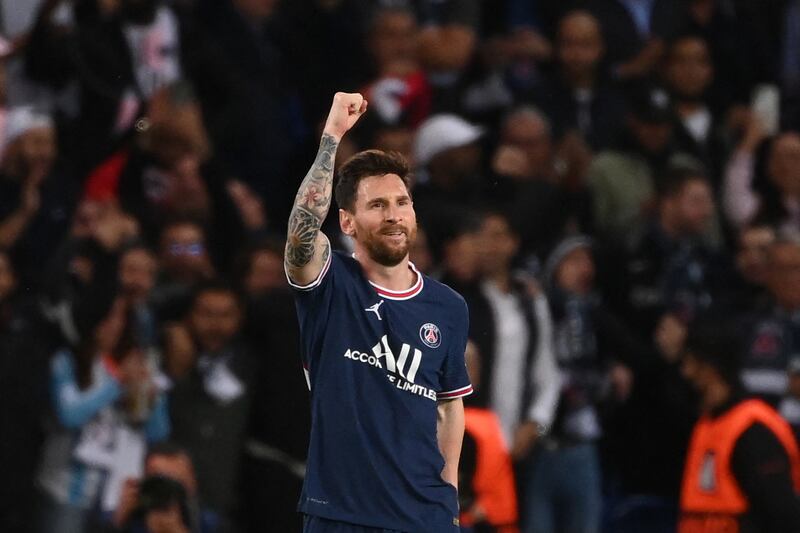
307 249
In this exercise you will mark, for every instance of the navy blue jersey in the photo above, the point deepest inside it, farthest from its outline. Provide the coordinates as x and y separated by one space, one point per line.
377 362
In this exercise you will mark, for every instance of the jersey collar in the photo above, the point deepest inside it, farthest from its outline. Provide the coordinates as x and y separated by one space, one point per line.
406 294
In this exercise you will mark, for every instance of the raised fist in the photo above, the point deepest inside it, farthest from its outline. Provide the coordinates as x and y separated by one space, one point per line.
346 109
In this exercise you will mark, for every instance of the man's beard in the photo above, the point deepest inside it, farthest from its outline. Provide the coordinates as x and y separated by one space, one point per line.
384 254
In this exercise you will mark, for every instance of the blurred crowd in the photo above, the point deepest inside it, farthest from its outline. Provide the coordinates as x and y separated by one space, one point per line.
592 176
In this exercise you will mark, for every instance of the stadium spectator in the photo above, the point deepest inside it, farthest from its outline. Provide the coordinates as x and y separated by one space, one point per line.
486 486
636 33
724 27
790 67
278 438
210 403
399 93
24 344
748 290
448 156
776 199
458 255
184 259
581 97
535 182
264 125
671 270
672 276
36 196
511 326
623 178
447 42
165 498
743 464
137 271
591 346
768 333
106 407
699 125
119 55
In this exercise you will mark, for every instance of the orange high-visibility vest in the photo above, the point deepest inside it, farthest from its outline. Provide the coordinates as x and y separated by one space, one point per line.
711 499
493 484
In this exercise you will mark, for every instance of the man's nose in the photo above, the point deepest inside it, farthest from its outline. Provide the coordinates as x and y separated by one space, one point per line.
392 214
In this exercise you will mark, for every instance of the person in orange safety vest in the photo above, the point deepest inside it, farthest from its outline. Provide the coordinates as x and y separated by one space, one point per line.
486 478
742 470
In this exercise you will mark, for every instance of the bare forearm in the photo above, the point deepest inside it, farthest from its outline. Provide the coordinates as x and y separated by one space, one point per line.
450 434
311 205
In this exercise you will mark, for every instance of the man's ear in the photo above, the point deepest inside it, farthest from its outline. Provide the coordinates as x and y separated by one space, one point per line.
346 223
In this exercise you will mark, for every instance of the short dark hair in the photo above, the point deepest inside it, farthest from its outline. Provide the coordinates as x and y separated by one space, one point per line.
167 448
244 260
713 339
217 286
676 177
363 165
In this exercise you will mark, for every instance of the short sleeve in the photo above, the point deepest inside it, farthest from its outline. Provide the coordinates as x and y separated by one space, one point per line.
313 306
455 380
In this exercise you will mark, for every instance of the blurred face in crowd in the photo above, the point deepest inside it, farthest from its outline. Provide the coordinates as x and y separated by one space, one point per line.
575 273
256 9
420 252
33 151
497 244
383 220
688 212
752 257
783 279
214 319
460 257
167 520
700 374
689 70
183 252
451 167
177 467
137 274
265 272
85 220
701 11
580 45
393 38
8 280
653 137
530 134
784 164
396 139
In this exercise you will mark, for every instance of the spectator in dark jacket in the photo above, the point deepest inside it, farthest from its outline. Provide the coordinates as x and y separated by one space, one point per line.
591 346
210 403
106 49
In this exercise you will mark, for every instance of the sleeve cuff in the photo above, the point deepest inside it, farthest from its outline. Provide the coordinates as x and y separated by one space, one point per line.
455 393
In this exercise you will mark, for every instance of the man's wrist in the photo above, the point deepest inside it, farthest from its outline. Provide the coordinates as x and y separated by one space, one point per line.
335 136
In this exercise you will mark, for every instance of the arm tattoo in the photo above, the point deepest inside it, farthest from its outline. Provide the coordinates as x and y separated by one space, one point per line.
311 206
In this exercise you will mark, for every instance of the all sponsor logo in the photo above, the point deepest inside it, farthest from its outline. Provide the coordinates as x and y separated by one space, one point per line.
401 369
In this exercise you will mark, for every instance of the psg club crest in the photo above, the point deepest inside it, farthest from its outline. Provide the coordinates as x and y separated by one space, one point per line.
430 335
